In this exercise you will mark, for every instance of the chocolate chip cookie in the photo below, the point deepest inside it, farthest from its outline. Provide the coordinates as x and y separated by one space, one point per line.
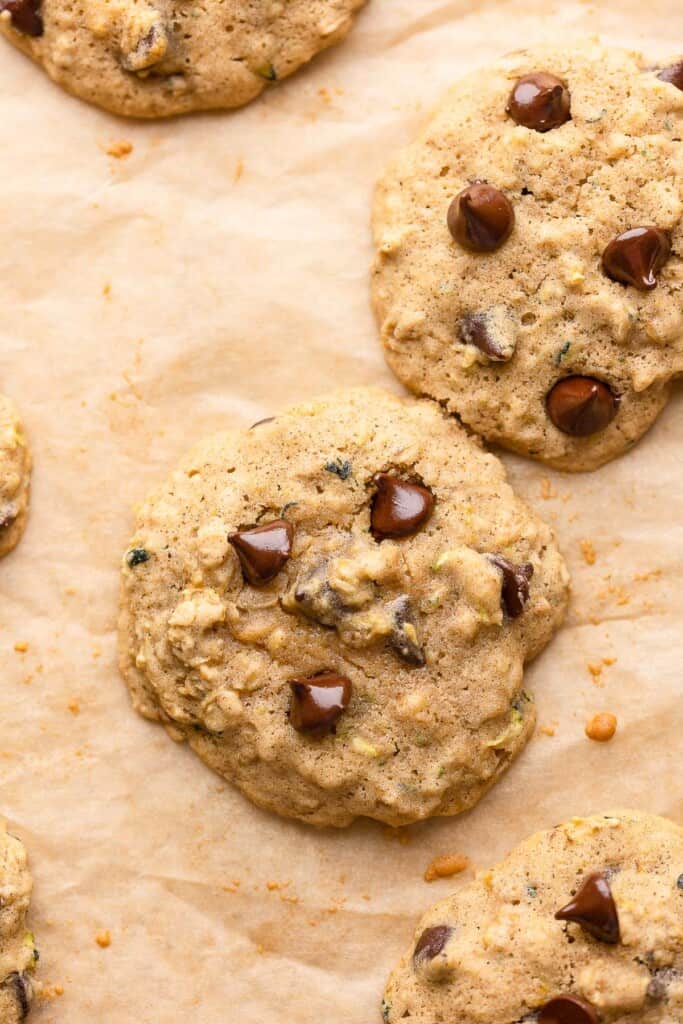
15 473
18 955
582 924
334 609
528 271
155 58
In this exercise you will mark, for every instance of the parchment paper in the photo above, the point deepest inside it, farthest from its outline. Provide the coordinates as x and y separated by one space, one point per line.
212 276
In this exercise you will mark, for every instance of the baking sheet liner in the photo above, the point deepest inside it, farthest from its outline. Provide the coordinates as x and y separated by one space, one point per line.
213 275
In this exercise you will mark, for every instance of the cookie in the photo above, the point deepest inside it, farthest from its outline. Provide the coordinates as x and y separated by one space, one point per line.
15 474
18 955
579 925
528 270
334 609
155 59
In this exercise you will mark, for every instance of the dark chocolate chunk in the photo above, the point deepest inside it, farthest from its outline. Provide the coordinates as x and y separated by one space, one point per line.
673 75
515 591
25 15
399 508
594 909
136 556
263 550
679 882
492 332
20 987
431 942
636 256
567 1010
8 514
540 101
581 406
480 218
318 702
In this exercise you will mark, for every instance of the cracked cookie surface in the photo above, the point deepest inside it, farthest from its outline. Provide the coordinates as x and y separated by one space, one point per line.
156 59
18 954
528 271
578 925
334 609
15 473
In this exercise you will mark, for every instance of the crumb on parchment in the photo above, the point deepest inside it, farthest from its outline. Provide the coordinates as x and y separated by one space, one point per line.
119 149
588 551
601 727
103 938
446 866
21 647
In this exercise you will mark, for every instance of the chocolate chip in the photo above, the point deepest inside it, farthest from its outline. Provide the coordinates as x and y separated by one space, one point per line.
260 423
515 591
20 987
148 51
8 515
491 331
540 101
25 15
318 702
679 882
673 75
136 556
263 550
480 218
581 406
636 256
594 909
567 1010
431 942
405 638
399 508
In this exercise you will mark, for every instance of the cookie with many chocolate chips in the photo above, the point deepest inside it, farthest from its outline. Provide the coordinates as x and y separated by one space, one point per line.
335 608
582 924
528 271
156 58
18 955
15 473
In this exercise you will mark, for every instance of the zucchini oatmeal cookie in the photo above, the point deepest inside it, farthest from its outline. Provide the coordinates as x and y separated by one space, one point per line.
528 271
155 58
582 924
15 477
18 954
334 609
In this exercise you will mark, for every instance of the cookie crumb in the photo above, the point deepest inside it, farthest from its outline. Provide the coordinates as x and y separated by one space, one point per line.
588 552
446 866
120 149
547 730
601 727
547 490
239 171
103 938
74 707
21 647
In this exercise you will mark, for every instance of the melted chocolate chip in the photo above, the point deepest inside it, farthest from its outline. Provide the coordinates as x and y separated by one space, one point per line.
581 406
431 942
673 75
263 550
480 218
594 909
636 256
567 1010
515 592
405 638
25 15
491 332
20 987
540 101
318 702
399 508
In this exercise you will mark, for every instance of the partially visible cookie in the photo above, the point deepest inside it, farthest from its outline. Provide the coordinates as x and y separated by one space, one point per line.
155 58
528 272
15 475
18 955
334 609
582 924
